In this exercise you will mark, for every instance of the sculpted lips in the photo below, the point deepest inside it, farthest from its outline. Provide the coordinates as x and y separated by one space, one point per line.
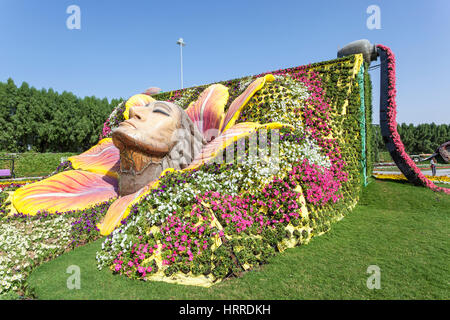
127 122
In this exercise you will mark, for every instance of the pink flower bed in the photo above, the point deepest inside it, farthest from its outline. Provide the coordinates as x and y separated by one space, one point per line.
317 121
320 185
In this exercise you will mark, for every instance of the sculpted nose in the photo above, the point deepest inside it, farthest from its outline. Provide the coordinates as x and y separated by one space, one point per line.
138 113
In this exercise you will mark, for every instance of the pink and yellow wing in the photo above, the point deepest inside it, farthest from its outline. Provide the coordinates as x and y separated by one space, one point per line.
120 209
103 158
137 100
65 191
239 103
207 112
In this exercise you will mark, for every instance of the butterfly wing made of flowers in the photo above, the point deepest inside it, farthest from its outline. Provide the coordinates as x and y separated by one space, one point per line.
103 158
65 191
207 112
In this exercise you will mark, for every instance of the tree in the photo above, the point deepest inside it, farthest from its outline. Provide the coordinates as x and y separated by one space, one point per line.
46 121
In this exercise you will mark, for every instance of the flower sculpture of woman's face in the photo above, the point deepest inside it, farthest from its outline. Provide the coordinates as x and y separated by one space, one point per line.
149 128
156 136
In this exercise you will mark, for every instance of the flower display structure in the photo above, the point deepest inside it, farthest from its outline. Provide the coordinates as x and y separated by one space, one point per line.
220 219
200 226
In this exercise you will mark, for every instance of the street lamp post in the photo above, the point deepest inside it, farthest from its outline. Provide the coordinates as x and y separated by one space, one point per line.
182 44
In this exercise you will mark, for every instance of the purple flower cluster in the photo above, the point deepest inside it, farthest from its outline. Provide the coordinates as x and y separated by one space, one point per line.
84 228
63 166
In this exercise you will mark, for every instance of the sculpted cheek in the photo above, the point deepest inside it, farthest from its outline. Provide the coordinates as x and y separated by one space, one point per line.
136 136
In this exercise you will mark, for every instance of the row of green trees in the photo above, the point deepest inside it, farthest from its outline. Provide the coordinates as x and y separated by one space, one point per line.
46 121
422 138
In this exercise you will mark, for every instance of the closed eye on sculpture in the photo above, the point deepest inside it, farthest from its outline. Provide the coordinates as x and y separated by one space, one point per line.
161 111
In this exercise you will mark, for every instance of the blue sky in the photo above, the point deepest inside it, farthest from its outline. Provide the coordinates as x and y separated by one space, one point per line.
124 47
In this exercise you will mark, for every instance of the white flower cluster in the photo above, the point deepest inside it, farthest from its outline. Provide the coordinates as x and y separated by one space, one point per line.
281 111
113 114
284 110
244 83
24 243
184 99
298 89
120 242
292 152
252 173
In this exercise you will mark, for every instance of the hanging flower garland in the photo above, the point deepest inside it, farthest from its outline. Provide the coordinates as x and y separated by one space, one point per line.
392 125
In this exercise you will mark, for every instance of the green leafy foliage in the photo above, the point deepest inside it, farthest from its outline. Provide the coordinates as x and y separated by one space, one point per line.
422 138
46 121
33 164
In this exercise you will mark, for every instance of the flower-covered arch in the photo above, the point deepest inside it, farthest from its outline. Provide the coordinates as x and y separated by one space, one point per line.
388 123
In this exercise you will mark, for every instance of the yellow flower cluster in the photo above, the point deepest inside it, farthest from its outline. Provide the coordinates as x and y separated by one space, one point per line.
400 176
8 183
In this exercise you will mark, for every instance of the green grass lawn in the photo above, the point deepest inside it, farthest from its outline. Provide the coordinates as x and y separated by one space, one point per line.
400 228
384 156
33 164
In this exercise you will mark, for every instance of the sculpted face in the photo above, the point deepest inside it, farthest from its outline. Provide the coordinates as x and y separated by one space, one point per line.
149 129
155 137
